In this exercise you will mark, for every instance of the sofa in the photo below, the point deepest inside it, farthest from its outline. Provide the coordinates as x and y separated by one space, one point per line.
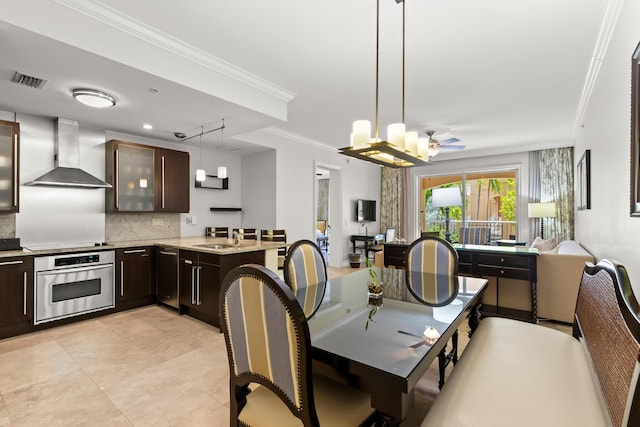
559 271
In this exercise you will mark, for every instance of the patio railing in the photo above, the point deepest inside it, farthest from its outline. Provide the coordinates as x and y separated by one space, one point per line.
498 229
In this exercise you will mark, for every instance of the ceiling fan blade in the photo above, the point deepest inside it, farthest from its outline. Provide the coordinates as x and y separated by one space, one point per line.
453 147
449 141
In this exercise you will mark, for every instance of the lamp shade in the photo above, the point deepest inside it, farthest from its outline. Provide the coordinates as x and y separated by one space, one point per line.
446 197
542 210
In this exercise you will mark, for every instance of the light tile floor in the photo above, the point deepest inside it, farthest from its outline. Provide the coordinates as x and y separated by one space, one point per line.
144 367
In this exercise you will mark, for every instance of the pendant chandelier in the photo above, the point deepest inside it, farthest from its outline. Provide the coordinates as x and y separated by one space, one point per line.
402 149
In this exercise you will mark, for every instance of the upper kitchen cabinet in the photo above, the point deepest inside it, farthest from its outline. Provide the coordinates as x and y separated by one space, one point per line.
146 178
9 166
172 180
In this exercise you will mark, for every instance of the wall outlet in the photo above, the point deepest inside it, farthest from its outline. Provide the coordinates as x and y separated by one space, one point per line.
191 220
157 221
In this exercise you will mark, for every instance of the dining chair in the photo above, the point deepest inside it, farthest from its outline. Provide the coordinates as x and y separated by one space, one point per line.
474 235
217 231
432 267
269 347
431 277
305 271
270 235
246 233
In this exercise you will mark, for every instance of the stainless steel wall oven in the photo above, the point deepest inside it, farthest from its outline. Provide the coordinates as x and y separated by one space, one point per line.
72 284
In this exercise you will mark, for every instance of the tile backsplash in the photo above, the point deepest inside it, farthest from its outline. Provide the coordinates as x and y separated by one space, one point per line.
141 226
7 225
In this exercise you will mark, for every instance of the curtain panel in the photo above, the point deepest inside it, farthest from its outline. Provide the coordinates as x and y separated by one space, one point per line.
393 201
555 168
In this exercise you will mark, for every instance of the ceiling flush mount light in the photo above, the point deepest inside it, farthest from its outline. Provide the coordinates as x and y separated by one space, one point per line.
402 149
147 126
93 98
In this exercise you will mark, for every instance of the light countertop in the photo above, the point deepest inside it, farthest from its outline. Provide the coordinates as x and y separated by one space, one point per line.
189 243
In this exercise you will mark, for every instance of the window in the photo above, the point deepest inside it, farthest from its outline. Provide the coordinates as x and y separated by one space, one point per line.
489 202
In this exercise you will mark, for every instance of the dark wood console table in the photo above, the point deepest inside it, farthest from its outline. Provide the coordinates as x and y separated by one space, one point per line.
368 239
512 262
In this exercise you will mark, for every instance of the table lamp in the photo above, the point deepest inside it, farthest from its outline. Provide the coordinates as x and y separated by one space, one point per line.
542 211
446 198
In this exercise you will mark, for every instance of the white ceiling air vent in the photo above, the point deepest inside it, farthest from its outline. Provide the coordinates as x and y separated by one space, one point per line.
29 81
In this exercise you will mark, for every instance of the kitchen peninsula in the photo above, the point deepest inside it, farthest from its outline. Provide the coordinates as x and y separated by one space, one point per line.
130 275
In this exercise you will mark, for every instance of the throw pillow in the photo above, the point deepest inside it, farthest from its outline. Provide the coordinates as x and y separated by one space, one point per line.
544 245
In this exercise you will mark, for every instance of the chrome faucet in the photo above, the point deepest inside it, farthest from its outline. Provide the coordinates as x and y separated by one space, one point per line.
236 237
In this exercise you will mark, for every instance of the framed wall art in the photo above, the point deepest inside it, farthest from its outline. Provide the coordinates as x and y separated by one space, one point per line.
635 133
584 181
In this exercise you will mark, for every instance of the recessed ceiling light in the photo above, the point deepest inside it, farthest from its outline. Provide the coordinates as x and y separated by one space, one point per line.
147 126
93 98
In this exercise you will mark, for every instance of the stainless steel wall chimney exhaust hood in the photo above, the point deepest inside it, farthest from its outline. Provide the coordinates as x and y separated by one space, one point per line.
67 159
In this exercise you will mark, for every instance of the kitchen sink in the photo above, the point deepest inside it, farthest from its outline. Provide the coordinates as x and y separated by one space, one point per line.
216 246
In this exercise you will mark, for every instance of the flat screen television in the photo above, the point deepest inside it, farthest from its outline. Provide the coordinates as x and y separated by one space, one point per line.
365 210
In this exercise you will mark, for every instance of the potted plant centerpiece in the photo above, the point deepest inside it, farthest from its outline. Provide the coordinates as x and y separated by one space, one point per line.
374 293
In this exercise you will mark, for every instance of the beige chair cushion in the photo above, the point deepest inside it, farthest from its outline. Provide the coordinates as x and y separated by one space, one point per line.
336 405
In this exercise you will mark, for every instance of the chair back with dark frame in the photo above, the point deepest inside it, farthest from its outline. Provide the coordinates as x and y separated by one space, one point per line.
305 271
246 233
474 235
270 235
268 343
217 231
432 267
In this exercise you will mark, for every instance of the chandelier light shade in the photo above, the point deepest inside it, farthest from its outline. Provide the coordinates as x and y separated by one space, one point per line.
401 149
93 98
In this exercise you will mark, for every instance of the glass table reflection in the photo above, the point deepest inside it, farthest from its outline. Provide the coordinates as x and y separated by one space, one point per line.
388 357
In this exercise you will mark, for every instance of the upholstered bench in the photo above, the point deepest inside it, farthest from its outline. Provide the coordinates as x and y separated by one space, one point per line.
520 374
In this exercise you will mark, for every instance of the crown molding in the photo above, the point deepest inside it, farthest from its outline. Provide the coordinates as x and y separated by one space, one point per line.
281 133
609 20
133 27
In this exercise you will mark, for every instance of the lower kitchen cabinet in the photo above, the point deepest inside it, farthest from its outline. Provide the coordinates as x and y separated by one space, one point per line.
16 295
201 274
167 277
135 277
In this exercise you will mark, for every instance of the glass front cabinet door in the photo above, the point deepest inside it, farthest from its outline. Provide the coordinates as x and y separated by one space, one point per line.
132 179
9 166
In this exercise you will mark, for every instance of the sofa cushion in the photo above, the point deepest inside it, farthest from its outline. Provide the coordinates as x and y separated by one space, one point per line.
544 245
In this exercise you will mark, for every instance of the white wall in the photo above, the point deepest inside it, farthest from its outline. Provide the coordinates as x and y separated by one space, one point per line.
295 192
259 190
607 230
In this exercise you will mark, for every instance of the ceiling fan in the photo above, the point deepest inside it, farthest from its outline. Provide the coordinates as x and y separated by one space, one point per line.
435 146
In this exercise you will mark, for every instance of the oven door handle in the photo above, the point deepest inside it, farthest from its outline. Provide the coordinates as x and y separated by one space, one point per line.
73 270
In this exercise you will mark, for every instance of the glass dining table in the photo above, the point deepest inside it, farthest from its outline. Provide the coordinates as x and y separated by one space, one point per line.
378 344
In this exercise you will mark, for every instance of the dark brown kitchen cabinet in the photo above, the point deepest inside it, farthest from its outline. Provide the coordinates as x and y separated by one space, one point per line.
199 285
9 169
146 178
135 278
172 180
167 277
201 275
16 295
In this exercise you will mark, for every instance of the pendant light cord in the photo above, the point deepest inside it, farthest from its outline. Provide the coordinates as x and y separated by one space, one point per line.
403 38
